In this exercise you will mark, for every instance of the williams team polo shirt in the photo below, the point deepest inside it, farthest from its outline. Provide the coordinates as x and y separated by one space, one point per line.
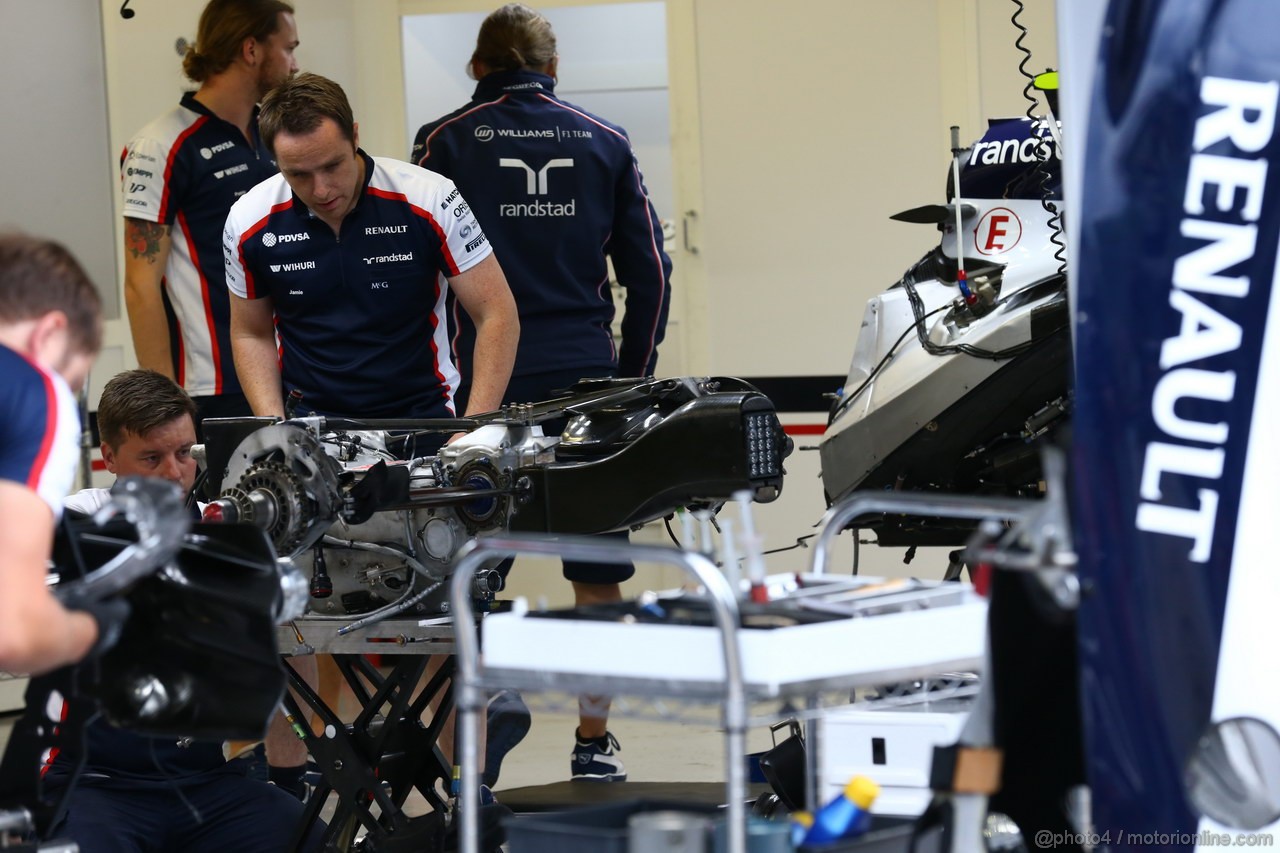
39 429
360 316
185 170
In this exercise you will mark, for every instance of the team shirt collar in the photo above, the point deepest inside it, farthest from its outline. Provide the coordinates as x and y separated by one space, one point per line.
501 83
190 101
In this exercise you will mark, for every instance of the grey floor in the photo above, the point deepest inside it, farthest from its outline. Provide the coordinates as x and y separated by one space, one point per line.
653 750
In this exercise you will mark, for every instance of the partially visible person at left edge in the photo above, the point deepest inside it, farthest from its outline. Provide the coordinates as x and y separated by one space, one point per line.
50 332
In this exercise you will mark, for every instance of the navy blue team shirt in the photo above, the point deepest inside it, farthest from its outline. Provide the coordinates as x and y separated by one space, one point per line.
185 169
39 429
360 315
556 189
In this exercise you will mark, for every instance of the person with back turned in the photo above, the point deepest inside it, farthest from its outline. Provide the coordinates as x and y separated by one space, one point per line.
560 195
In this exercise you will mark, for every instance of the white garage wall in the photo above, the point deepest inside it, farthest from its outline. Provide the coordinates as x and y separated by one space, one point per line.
56 181
816 126
819 119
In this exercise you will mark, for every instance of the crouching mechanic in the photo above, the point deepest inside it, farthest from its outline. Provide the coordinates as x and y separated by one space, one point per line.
152 793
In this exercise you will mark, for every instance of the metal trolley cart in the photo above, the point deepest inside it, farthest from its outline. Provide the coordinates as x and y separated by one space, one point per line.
724 663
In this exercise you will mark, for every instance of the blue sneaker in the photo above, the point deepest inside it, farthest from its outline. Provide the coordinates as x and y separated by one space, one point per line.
507 721
595 760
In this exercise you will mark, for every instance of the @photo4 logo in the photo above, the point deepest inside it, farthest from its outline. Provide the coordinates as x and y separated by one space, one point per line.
484 133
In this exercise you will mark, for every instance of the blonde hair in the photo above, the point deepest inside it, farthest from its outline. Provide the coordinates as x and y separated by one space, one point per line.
224 25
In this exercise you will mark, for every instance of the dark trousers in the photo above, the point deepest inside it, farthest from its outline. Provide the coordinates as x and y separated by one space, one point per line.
220 406
213 813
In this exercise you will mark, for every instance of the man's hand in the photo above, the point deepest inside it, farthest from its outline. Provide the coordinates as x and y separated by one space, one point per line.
110 615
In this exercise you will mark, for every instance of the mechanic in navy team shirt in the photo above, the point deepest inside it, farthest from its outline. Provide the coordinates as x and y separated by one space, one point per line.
179 176
50 332
349 258
559 194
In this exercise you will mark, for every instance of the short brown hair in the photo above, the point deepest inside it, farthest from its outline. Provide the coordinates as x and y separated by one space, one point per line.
138 401
38 276
299 105
515 37
224 25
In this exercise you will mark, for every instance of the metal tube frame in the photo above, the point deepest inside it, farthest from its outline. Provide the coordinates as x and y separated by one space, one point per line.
471 700
920 504
724 605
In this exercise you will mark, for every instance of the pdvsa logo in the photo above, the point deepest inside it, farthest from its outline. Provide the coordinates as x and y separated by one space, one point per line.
269 239
484 133
207 153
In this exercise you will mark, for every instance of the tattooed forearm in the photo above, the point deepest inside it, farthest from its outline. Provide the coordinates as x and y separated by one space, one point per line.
143 237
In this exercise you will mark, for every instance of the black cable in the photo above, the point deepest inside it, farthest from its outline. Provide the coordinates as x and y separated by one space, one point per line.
847 400
922 333
1042 149
800 543
173 782
196 489
667 521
